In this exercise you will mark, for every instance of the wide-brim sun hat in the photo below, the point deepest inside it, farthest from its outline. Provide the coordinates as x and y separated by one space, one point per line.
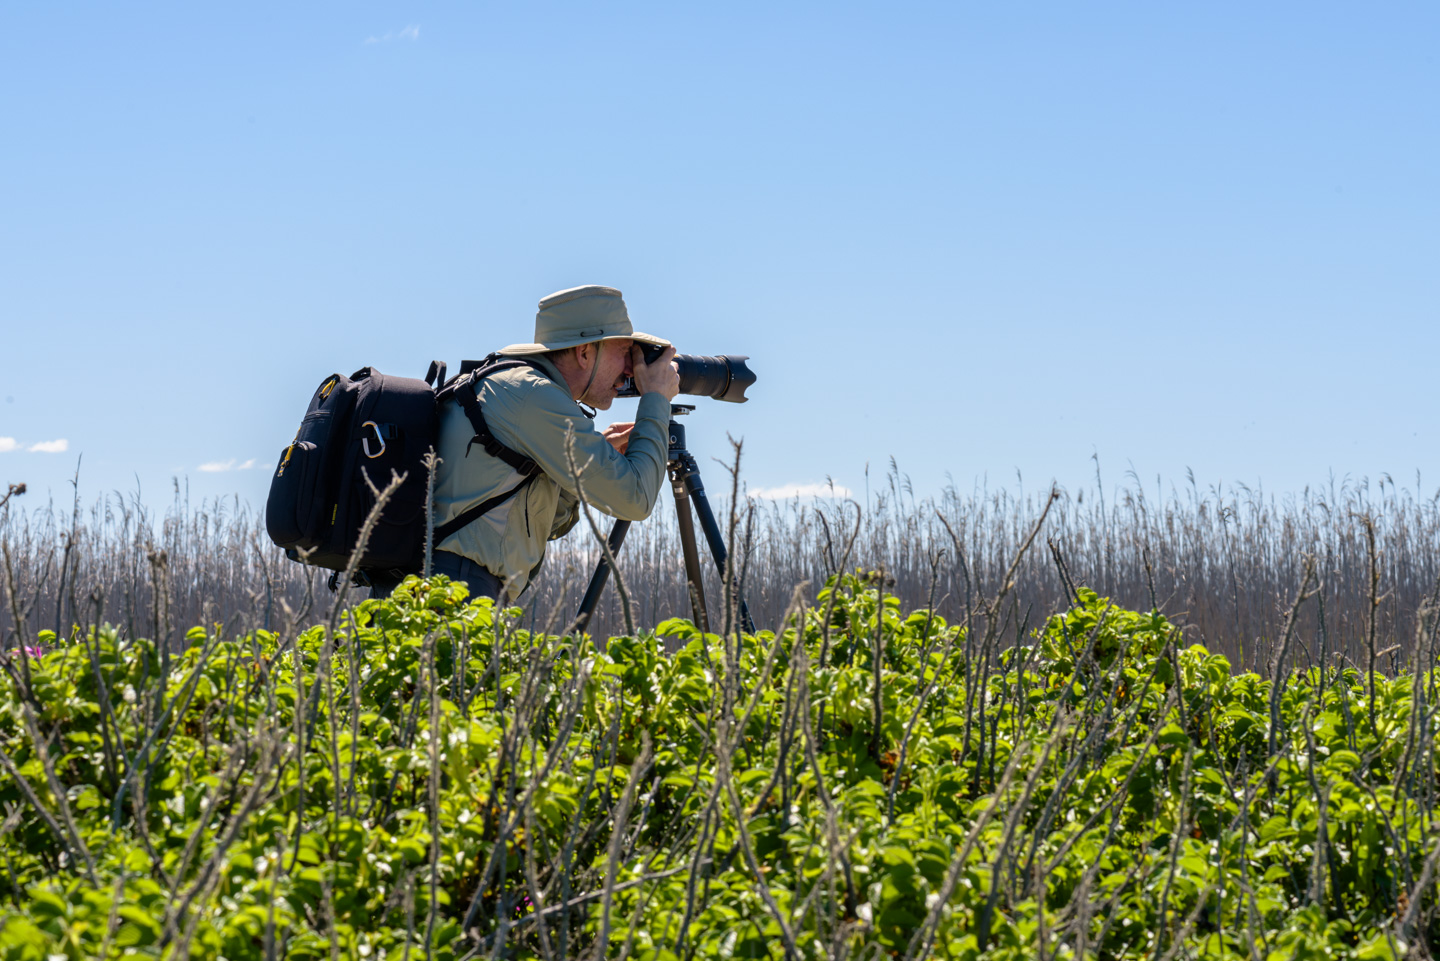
582 315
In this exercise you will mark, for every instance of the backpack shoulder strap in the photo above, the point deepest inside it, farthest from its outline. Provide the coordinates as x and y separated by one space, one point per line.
465 392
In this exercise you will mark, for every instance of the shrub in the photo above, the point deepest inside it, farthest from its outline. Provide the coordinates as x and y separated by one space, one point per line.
426 778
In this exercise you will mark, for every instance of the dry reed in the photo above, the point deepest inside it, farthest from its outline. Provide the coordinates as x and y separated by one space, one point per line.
1225 563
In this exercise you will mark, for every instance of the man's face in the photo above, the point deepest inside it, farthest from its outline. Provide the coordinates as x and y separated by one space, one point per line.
614 367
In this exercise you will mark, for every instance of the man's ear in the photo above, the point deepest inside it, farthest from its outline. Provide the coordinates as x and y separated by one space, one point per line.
584 355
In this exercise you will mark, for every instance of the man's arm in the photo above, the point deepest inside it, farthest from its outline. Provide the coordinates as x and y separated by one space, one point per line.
622 485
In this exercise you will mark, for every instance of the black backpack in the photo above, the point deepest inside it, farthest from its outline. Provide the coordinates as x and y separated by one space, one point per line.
364 427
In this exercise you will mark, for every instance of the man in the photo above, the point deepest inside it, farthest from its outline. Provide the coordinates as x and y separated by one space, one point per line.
584 350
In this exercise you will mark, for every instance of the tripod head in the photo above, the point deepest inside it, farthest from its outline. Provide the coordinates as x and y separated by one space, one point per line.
677 430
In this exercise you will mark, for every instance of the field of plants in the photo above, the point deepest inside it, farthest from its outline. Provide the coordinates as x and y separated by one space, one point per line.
421 777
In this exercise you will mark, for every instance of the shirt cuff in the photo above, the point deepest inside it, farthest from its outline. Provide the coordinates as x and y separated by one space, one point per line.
655 406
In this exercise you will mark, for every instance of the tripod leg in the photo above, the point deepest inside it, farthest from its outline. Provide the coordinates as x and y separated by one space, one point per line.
708 524
692 556
598 579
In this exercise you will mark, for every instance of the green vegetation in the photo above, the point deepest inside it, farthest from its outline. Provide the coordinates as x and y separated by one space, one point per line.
422 778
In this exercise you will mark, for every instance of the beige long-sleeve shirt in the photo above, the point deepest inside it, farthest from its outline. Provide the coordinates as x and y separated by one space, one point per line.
531 414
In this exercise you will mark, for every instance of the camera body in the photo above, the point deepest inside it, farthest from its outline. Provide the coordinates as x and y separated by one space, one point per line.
724 377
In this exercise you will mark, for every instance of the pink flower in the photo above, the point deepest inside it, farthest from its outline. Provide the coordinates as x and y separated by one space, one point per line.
34 652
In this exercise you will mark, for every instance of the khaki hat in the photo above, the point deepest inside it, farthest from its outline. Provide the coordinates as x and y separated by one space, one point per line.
581 315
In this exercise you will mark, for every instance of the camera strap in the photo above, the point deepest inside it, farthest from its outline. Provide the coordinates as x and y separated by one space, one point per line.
594 369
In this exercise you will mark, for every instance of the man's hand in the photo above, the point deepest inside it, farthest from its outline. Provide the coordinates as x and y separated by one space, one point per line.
661 377
619 435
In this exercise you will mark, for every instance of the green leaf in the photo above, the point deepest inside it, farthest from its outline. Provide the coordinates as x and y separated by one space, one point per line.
1343 761
46 905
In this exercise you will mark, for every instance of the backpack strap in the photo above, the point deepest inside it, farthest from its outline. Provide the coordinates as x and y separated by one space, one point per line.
467 397
443 531
464 391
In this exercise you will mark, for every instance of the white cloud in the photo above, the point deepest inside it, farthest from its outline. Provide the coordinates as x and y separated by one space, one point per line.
220 466
411 33
8 443
787 491
50 446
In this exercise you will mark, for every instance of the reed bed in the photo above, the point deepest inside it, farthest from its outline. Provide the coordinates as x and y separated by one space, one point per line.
1221 562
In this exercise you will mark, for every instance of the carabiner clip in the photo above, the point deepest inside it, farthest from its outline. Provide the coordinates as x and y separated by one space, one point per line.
365 441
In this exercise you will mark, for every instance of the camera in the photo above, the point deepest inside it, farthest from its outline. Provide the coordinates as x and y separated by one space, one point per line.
723 378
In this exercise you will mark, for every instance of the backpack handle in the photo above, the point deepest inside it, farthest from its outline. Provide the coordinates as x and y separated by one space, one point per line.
435 376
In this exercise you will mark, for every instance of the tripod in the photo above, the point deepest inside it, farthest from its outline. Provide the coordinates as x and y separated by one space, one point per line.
688 489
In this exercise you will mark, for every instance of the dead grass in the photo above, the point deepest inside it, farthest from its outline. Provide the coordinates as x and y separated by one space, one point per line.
1224 562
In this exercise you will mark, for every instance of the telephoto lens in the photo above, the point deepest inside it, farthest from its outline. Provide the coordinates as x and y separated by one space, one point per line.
725 377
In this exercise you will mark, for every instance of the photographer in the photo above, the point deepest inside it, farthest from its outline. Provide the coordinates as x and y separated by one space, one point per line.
584 350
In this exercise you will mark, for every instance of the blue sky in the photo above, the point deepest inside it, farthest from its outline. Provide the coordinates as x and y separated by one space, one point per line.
977 238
